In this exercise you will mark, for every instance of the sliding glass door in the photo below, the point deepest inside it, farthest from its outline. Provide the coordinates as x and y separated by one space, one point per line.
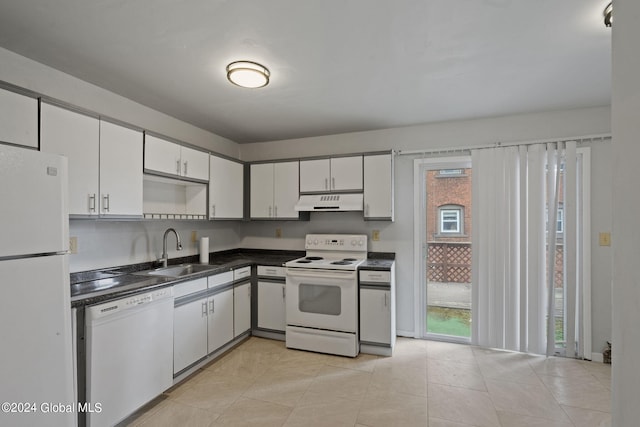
443 244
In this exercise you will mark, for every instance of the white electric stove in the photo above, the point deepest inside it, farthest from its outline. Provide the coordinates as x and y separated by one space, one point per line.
322 294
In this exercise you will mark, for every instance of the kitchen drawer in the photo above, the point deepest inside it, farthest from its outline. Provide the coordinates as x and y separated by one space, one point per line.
241 273
375 276
220 279
189 287
270 271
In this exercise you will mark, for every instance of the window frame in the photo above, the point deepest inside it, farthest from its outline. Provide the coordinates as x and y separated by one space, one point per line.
458 210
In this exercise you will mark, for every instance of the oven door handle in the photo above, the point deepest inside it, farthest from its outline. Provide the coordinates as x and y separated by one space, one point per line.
319 273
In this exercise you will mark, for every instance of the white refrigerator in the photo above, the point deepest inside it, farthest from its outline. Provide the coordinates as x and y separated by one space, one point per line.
36 358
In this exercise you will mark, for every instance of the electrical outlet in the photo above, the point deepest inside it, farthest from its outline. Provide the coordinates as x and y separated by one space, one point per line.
375 235
73 245
605 239
194 237
278 232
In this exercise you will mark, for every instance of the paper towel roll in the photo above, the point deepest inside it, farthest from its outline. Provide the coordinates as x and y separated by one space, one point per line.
204 250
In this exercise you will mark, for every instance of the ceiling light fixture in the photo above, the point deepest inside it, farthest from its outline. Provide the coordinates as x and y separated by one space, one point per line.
248 74
608 17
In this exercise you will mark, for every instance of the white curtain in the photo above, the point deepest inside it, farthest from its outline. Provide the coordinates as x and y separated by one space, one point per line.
516 198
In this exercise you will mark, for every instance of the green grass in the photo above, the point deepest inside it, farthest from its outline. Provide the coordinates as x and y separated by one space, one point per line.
449 321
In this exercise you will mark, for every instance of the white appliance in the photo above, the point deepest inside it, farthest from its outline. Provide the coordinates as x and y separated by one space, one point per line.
36 361
322 294
129 354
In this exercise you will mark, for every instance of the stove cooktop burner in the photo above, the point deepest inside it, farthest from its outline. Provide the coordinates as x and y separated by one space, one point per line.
350 259
314 258
303 261
343 262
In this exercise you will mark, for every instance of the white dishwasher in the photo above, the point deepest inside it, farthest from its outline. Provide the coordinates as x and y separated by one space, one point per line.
129 354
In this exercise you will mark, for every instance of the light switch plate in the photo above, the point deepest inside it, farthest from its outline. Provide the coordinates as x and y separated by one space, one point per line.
375 235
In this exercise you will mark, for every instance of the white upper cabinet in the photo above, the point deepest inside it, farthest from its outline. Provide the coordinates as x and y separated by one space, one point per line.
161 155
346 173
120 170
77 137
314 175
195 163
18 119
274 190
226 189
378 187
286 189
335 174
170 158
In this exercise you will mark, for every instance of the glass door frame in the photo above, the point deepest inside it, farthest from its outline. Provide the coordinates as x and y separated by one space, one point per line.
420 168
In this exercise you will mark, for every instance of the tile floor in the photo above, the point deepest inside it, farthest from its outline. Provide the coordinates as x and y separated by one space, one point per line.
425 383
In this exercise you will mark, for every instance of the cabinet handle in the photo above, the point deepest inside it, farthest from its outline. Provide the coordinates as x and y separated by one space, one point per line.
366 209
212 306
333 183
204 309
92 202
284 293
275 211
105 202
385 299
186 168
269 211
178 166
213 211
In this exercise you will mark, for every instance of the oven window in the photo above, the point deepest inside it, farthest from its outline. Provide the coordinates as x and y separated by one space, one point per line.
320 299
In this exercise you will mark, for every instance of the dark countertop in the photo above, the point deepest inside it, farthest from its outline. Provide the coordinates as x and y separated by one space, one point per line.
378 261
91 287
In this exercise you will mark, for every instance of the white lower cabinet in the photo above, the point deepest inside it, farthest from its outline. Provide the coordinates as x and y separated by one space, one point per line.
241 308
220 327
203 318
189 333
271 305
375 316
377 311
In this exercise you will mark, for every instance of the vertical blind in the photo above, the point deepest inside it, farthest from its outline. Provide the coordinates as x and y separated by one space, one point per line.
516 195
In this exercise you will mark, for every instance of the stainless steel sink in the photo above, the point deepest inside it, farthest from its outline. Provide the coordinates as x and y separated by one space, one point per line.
176 271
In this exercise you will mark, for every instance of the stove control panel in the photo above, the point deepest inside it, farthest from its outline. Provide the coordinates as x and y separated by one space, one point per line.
339 242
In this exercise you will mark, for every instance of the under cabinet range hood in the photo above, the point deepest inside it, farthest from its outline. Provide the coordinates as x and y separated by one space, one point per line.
330 202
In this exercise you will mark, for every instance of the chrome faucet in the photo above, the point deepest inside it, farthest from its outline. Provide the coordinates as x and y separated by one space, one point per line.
165 255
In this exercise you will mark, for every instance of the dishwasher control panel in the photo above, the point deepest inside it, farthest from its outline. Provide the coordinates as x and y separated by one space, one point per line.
112 307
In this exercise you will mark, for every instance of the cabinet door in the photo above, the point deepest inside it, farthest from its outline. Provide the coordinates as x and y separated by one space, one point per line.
241 309
346 173
262 190
220 329
271 306
226 188
18 119
120 170
314 175
195 163
378 187
375 316
161 155
189 333
286 189
75 136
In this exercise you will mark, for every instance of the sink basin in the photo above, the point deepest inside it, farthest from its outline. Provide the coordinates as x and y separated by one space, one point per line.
176 271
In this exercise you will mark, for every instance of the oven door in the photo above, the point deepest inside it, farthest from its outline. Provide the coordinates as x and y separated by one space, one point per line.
324 299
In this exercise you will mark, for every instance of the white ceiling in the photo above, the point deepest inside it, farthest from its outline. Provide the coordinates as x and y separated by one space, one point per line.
336 65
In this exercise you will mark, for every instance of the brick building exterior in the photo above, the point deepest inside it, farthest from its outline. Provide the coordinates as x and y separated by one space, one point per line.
448 191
